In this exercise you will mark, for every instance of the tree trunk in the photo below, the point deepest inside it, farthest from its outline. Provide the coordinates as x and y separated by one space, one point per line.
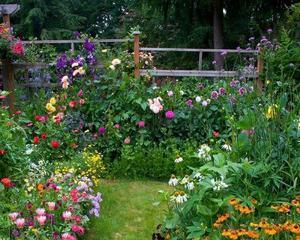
218 31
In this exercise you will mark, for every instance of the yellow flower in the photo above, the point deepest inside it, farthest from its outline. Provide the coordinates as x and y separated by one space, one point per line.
272 111
53 101
50 108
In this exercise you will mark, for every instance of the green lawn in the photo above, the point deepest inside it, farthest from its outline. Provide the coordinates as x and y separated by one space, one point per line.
131 210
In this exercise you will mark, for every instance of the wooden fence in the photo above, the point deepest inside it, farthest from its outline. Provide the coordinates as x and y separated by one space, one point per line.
8 73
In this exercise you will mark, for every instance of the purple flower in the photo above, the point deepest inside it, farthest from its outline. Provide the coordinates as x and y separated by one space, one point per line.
270 30
101 130
89 46
242 91
91 59
222 91
238 49
95 212
233 83
62 61
55 235
214 62
77 34
214 95
15 233
170 114
189 103
141 124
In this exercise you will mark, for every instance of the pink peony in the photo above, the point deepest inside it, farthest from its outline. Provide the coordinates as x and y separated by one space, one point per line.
41 220
13 216
20 222
127 140
40 211
68 236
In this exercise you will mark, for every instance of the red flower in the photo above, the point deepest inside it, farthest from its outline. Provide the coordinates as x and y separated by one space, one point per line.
44 135
40 118
2 97
18 112
55 144
36 140
6 182
2 152
216 134
18 48
72 104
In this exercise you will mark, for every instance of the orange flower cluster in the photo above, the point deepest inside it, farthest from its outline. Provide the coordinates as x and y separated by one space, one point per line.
283 208
221 219
235 234
241 208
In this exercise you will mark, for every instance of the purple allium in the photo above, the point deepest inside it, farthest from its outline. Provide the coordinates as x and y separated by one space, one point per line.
62 61
101 130
170 114
214 95
141 124
89 46
189 103
242 91
222 91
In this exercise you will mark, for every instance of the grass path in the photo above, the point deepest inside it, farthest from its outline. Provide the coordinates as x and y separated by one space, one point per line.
130 210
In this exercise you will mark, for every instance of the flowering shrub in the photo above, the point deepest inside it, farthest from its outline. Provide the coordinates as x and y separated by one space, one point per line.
10 47
58 208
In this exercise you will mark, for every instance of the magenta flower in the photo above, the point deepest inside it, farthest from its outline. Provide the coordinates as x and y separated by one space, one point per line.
214 95
101 130
189 103
170 114
233 83
242 91
141 124
80 93
222 91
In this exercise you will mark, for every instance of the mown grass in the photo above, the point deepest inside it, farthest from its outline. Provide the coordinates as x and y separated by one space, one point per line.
131 210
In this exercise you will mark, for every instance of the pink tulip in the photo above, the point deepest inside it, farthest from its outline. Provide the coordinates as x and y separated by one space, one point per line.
13 216
41 220
20 222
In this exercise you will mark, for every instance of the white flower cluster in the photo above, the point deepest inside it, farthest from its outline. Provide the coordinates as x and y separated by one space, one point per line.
227 147
155 105
114 63
178 160
179 197
218 184
204 152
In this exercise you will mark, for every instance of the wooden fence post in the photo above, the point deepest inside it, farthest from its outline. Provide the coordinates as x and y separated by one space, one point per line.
200 60
8 83
260 69
136 54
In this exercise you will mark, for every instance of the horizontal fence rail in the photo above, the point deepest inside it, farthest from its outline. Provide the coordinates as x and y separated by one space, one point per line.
204 50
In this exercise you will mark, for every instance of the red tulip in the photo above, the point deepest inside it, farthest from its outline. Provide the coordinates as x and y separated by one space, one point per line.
36 140
55 144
